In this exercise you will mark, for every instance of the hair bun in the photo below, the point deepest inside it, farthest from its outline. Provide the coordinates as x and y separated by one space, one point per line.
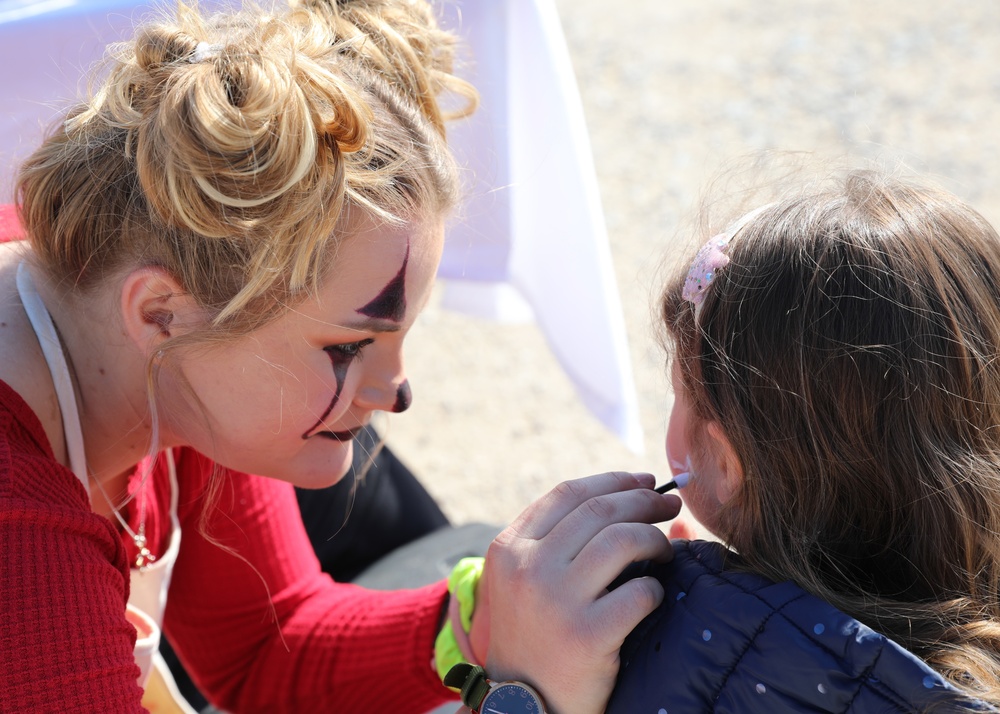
231 130
224 149
159 46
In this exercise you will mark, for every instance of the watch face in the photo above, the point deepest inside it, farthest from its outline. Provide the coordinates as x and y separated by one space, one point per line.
511 698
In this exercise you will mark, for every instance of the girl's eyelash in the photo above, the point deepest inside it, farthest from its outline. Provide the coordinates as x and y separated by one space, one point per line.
350 349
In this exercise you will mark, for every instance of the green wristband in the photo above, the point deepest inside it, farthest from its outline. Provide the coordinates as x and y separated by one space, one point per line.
462 585
446 651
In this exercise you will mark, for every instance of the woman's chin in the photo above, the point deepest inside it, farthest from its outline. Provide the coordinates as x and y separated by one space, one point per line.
331 473
323 463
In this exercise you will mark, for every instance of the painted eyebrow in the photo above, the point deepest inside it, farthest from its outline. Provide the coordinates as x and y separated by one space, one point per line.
390 303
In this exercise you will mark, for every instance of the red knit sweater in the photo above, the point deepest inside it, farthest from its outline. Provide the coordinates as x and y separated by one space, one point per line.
270 633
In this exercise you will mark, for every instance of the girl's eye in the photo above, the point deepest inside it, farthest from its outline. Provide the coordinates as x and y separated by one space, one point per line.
350 349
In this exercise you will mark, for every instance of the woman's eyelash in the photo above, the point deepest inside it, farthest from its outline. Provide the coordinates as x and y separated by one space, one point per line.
350 349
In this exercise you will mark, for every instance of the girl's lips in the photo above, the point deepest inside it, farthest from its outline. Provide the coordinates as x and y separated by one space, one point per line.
346 435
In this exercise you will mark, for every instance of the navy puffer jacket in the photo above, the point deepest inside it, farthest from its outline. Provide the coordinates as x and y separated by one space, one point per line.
736 643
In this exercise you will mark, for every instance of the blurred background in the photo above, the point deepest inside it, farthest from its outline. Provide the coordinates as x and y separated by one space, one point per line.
672 93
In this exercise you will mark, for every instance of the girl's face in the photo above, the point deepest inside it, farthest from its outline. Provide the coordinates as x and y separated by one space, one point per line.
706 486
287 400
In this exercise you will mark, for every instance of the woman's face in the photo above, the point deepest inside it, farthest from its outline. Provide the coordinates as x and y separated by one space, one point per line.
287 400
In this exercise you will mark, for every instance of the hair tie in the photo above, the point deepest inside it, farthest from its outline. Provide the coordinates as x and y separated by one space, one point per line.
710 259
203 52
452 644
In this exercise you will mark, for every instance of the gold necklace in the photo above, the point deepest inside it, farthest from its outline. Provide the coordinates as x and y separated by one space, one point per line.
145 557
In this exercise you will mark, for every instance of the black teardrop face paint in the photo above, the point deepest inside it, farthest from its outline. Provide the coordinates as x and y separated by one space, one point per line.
404 397
340 362
390 304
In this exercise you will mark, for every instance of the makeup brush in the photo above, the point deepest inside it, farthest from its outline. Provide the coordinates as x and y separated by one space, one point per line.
680 481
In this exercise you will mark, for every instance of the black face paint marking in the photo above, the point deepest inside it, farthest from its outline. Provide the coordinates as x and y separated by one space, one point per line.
341 362
346 435
390 304
404 397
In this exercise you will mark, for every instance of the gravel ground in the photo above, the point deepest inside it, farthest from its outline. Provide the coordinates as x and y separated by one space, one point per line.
673 92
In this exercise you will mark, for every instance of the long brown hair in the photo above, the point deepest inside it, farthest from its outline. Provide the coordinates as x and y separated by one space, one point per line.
850 353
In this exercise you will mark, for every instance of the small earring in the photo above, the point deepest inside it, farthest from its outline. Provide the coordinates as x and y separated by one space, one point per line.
159 355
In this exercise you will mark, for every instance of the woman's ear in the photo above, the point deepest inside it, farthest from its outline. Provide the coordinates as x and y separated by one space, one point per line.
154 308
727 461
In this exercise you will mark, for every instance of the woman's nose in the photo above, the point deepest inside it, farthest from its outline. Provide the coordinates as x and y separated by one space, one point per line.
387 396
404 397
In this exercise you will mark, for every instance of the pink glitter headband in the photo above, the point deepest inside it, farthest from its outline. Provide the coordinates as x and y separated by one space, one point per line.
710 259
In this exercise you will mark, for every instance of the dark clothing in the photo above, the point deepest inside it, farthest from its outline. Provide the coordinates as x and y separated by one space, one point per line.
734 642
390 508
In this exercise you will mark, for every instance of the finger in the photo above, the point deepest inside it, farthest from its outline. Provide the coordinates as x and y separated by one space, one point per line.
605 557
538 519
579 527
616 614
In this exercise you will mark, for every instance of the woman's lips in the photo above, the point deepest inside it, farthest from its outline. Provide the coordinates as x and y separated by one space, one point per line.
346 435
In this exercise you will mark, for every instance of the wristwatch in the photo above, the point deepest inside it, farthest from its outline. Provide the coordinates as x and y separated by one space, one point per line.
485 697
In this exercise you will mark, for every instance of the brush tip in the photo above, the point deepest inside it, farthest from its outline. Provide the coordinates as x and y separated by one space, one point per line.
680 481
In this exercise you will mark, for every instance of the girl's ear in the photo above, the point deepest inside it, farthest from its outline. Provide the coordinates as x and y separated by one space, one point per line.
728 463
154 308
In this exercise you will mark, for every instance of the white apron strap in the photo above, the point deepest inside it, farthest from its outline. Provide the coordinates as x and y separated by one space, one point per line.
48 338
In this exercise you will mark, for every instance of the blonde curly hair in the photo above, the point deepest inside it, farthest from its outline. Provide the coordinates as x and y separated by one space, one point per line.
229 149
